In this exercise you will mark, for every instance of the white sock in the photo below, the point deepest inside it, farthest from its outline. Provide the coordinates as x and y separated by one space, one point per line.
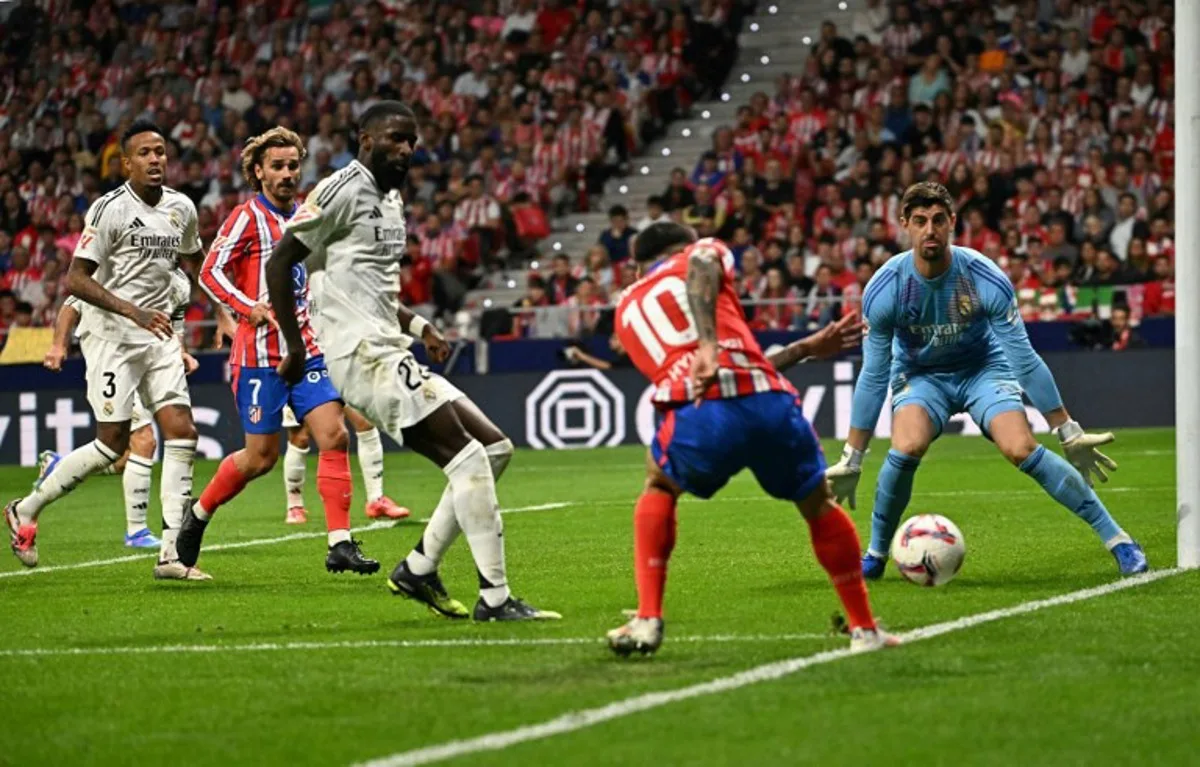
295 466
110 469
499 454
443 529
72 469
176 491
370 461
337 536
478 514
136 482
201 513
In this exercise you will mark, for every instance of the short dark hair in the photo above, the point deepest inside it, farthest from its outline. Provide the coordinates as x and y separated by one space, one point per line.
617 210
138 127
658 238
381 111
924 195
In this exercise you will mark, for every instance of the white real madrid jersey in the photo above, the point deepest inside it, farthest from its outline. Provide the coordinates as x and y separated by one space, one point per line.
357 236
136 247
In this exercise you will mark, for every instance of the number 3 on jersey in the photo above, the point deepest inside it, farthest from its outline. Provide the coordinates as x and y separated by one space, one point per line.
662 318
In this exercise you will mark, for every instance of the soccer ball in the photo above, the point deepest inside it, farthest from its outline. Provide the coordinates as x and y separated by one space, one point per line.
929 549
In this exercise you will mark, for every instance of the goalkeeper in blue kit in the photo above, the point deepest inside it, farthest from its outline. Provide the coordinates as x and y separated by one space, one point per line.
944 330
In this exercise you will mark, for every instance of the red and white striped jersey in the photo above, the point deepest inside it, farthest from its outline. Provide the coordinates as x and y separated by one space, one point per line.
988 160
235 274
473 212
942 162
656 327
1072 201
550 159
886 208
443 248
579 145
559 82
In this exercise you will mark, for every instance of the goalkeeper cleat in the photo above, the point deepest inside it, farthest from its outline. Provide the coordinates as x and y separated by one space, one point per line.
178 571
427 589
191 533
643 635
22 536
1130 558
512 609
296 515
873 566
346 555
385 508
142 539
869 640
47 463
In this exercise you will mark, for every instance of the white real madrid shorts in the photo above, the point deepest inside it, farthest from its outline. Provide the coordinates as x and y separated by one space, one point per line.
389 386
118 372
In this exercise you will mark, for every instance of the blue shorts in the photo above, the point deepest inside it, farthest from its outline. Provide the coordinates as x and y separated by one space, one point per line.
701 448
261 395
984 394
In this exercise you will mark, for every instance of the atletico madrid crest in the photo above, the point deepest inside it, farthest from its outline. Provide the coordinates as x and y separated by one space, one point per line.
255 414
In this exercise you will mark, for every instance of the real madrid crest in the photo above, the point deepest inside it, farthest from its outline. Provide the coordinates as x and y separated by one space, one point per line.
965 305
176 220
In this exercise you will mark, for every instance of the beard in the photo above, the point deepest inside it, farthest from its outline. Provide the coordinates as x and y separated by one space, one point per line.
389 175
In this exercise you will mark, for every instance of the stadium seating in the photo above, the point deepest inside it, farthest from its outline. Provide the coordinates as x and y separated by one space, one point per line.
792 126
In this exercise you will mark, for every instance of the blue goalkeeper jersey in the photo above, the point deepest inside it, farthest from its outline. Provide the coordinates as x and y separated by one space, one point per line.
961 322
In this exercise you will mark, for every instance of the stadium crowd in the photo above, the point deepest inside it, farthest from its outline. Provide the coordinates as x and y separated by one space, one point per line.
527 108
1050 122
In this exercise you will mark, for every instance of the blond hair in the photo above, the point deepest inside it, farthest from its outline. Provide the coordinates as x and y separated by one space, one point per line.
256 147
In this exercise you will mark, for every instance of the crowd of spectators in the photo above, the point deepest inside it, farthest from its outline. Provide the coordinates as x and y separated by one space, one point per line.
1051 123
526 108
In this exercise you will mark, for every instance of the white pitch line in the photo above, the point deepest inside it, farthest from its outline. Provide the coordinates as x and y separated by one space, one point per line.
407 644
578 720
217 547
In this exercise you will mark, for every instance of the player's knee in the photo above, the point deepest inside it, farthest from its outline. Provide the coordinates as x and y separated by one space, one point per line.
1017 448
910 445
817 503
299 438
259 458
114 436
142 443
332 436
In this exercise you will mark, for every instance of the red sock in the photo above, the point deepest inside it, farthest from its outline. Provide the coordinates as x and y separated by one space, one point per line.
653 540
335 488
223 487
835 542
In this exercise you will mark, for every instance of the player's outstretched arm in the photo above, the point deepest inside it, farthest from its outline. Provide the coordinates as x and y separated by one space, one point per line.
827 342
83 285
1035 377
64 325
288 252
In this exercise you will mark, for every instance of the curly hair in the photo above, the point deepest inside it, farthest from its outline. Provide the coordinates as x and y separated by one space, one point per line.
257 147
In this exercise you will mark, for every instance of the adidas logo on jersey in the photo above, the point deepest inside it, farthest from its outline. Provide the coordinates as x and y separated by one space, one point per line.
376 213
136 224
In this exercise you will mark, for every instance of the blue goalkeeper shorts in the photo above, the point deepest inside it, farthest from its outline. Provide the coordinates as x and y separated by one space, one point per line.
701 448
983 394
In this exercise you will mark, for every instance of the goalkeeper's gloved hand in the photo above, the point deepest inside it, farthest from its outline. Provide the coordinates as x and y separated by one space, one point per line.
1080 449
843 476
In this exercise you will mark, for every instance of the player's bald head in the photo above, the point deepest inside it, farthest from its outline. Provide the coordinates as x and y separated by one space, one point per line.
659 239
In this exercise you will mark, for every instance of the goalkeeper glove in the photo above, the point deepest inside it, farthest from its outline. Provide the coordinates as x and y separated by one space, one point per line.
843 476
1080 449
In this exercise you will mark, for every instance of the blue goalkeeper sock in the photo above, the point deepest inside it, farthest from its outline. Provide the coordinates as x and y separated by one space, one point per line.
1065 485
893 490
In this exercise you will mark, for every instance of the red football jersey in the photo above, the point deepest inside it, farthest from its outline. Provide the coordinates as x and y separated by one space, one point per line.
235 273
655 325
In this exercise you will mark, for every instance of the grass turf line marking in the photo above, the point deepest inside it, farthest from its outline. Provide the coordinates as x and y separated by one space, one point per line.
42 652
217 547
581 719
244 544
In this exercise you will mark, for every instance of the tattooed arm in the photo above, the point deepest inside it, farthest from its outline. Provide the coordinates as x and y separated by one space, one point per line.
703 285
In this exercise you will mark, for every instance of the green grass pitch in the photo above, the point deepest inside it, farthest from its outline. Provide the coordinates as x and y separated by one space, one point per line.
1111 678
